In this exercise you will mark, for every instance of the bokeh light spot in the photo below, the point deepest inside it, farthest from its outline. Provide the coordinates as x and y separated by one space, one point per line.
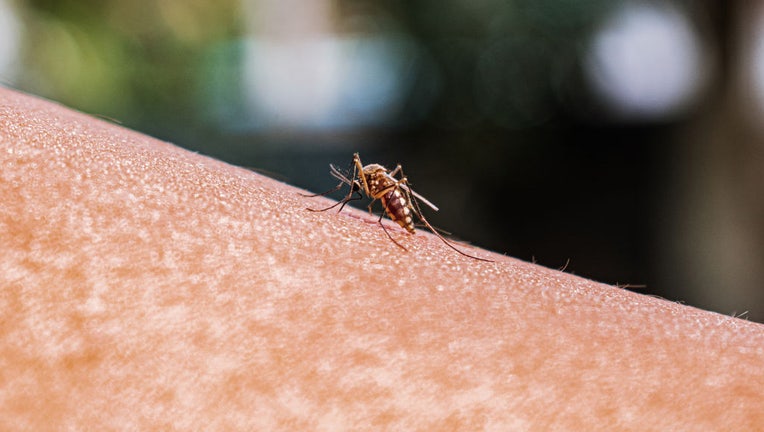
646 61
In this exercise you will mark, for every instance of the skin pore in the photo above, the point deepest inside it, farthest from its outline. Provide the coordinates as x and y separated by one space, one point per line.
148 287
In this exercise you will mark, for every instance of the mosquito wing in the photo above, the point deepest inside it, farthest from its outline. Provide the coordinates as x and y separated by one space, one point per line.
420 197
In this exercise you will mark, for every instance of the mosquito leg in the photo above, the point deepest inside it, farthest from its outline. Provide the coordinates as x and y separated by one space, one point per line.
440 230
328 208
371 212
338 187
379 221
358 173
448 243
421 217
348 199
341 203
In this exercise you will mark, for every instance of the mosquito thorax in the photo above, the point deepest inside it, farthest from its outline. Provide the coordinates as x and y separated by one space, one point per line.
372 169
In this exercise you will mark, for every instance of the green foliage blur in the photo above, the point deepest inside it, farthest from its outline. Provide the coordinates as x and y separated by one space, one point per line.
138 62
153 65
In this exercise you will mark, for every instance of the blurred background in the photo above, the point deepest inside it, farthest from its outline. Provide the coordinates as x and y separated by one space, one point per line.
621 140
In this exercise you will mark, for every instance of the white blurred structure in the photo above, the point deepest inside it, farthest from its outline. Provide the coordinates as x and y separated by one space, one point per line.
646 61
10 41
300 74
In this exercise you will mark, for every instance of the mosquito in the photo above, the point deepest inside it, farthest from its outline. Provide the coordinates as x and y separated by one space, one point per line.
400 202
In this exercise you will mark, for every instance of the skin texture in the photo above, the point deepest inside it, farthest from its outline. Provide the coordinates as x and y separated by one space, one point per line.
148 287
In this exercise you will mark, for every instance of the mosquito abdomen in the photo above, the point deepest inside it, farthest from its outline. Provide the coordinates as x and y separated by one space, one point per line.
398 208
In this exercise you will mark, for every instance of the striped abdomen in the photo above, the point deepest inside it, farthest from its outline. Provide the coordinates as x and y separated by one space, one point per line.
398 208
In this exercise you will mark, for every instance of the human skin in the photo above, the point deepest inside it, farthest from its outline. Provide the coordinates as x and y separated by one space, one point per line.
147 287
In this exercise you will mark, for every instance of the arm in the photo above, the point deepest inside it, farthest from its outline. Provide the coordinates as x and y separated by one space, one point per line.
147 286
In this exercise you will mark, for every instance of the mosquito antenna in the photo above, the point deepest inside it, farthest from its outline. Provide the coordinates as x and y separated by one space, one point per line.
355 188
338 175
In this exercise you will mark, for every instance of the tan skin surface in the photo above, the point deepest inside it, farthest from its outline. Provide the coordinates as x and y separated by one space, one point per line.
147 287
